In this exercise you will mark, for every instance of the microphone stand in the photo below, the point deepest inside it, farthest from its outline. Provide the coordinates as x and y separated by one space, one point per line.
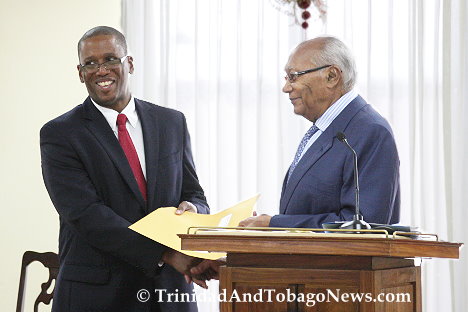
358 222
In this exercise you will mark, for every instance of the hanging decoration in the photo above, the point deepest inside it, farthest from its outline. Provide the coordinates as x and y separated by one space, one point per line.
299 9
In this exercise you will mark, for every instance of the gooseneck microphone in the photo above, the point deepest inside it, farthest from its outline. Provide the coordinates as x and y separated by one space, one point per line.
358 221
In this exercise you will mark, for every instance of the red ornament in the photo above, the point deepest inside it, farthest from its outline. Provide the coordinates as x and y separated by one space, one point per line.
305 15
303 4
305 25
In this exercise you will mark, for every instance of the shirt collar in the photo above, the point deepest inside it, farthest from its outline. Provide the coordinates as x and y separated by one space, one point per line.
111 115
335 109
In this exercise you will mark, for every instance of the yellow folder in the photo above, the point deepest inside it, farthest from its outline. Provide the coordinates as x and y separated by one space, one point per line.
163 225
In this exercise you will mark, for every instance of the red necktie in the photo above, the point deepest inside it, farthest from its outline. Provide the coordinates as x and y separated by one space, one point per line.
130 152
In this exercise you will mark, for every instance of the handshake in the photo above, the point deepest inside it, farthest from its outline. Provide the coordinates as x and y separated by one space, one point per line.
198 270
194 269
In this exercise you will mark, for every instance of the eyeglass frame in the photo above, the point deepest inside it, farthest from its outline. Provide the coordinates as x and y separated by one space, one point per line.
121 59
300 73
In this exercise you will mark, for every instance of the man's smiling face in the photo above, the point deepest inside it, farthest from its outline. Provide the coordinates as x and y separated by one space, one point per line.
314 92
108 87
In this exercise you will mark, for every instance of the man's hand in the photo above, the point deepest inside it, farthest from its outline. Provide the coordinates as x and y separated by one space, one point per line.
203 270
186 206
256 221
179 261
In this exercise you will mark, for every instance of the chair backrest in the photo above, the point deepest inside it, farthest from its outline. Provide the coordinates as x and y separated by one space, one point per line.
51 261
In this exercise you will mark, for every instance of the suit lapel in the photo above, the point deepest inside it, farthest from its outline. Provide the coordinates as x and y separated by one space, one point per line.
150 126
98 126
318 149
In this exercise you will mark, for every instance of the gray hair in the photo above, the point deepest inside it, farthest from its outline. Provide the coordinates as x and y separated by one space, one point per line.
335 52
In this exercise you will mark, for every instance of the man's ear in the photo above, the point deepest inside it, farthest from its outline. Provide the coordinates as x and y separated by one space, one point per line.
80 73
130 64
333 75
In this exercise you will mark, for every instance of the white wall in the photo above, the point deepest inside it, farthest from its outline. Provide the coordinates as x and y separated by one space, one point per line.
38 81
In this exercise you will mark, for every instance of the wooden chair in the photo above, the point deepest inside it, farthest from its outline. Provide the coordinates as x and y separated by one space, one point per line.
49 260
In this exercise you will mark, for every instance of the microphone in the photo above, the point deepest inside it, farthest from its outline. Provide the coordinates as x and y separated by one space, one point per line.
358 221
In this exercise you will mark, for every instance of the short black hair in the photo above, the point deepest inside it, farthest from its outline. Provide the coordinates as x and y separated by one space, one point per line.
106 31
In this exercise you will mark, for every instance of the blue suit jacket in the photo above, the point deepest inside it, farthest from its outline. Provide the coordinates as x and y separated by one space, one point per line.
103 264
321 188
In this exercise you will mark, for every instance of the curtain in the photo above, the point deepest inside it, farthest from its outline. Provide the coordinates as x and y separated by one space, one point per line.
221 63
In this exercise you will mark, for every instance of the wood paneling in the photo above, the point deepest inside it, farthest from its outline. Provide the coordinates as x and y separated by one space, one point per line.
321 299
316 262
311 286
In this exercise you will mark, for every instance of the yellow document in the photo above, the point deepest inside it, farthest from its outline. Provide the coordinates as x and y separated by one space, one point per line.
163 225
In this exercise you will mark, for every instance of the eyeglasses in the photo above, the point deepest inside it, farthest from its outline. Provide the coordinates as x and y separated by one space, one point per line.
291 77
92 67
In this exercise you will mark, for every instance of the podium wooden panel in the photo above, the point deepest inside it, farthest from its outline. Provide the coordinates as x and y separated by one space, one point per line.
380 268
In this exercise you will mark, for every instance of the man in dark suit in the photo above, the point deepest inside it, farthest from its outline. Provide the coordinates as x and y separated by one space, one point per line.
319 185
106 164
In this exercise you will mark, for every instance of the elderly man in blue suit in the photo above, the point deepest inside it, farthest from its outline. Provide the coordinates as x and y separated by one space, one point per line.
319 185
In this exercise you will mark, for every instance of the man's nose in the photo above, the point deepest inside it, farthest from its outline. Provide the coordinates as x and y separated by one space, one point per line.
287 86
102 70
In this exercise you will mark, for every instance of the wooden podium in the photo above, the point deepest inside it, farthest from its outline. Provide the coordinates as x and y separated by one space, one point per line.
319 273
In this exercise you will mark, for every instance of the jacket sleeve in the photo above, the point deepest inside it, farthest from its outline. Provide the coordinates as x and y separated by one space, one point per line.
191 189
79 206
378 166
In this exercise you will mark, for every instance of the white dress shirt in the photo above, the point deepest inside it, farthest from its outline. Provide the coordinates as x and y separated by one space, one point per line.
133 127
330 114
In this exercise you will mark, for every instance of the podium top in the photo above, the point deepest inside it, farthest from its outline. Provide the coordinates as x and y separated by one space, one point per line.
342 245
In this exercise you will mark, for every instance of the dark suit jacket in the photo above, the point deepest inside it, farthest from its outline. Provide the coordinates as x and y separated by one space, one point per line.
103 264
321 188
